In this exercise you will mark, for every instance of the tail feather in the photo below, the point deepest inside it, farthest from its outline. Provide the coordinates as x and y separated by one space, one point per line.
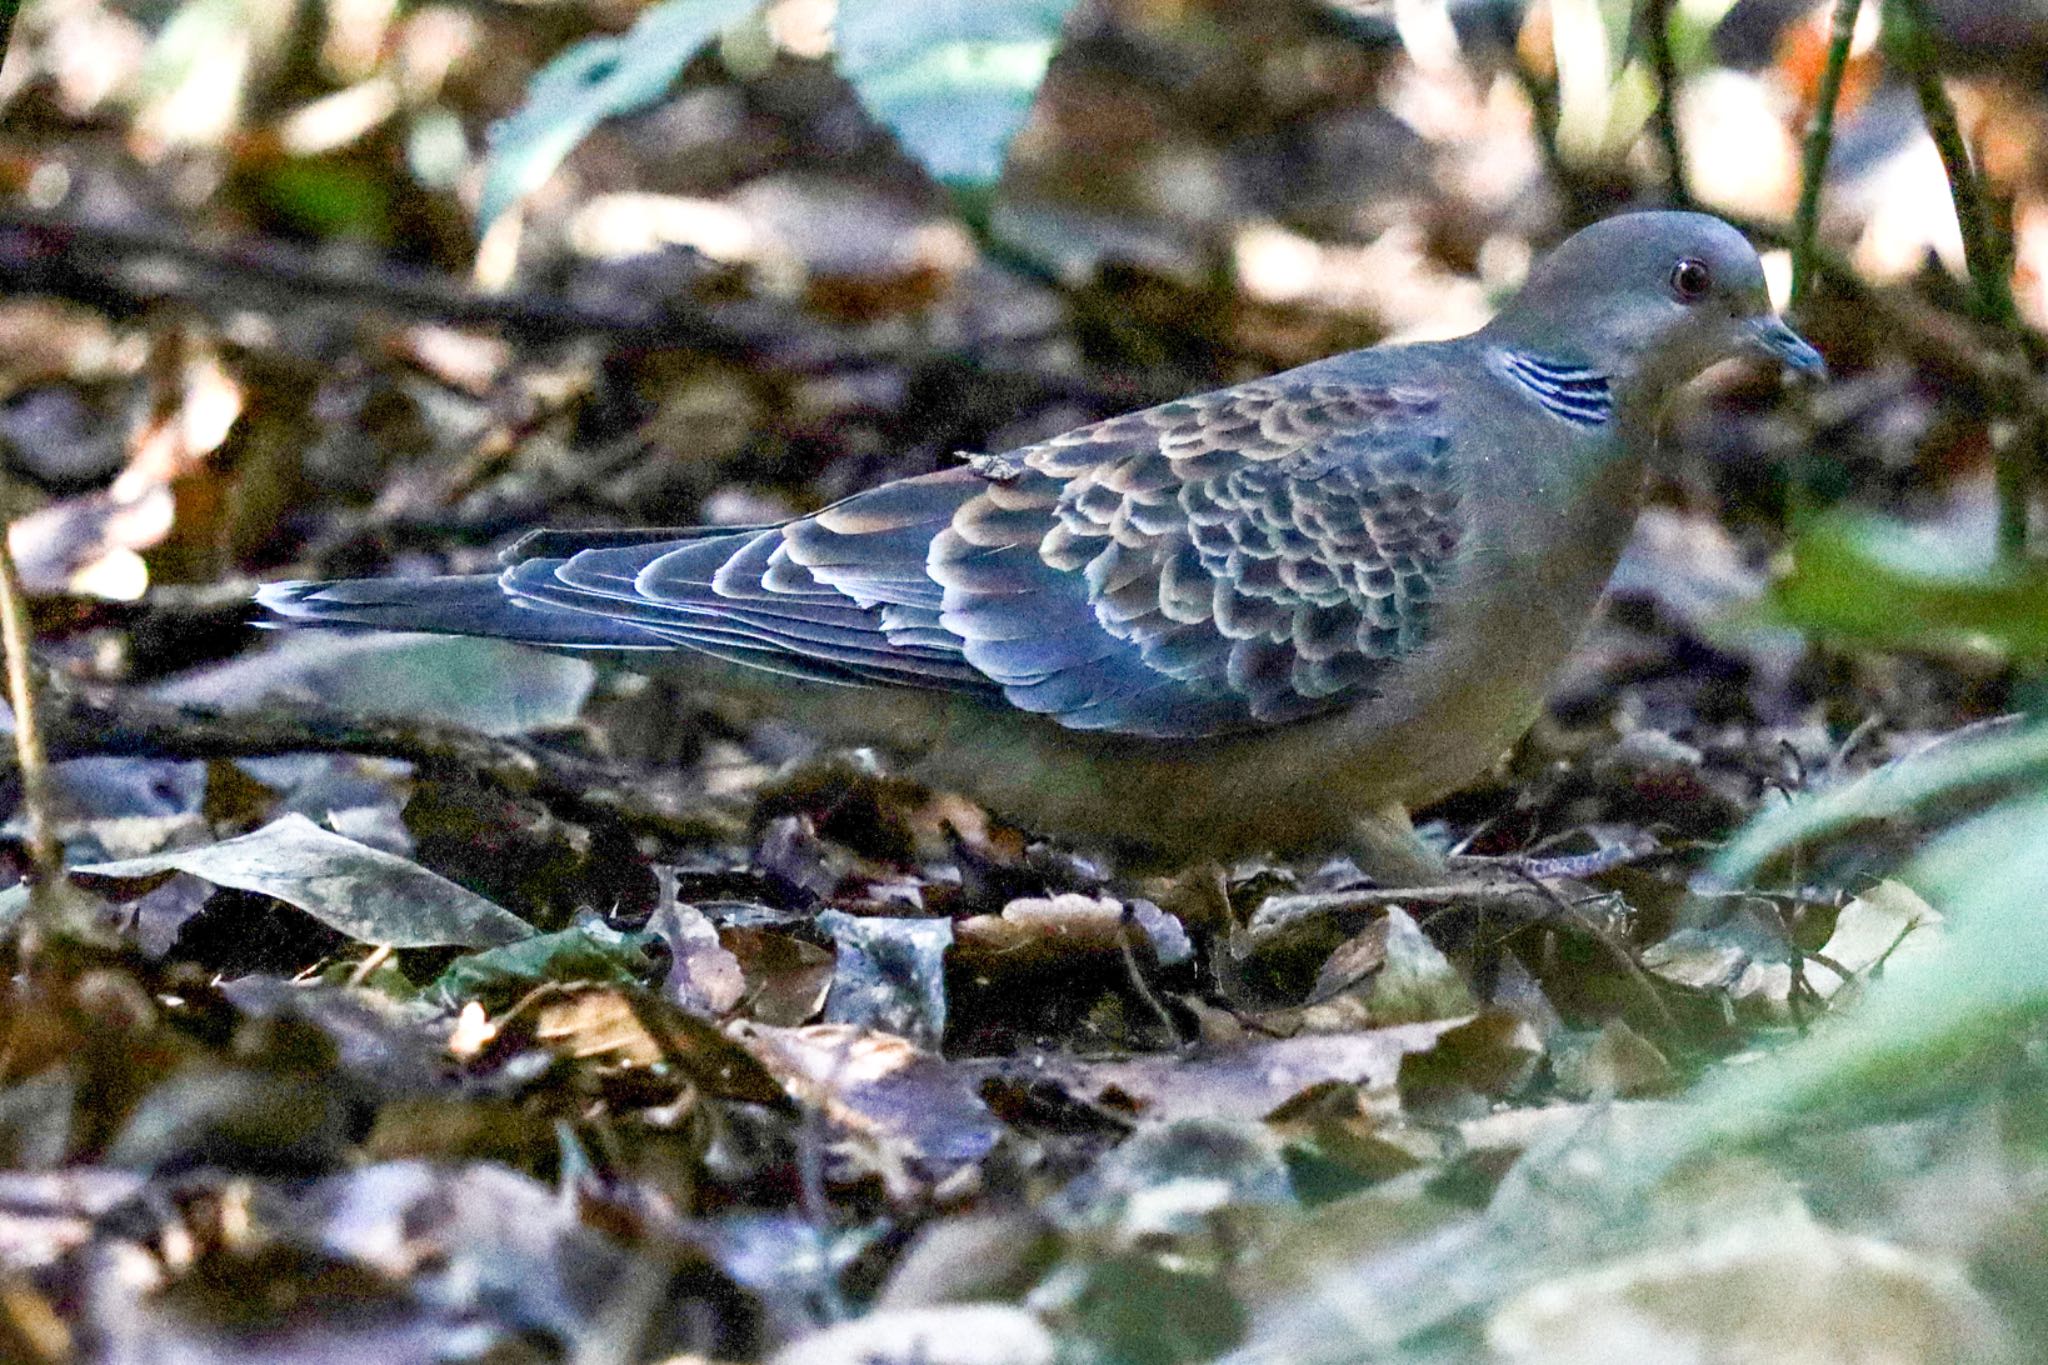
470 604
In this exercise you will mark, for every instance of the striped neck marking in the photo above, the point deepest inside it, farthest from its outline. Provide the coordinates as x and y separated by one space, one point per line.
1579 396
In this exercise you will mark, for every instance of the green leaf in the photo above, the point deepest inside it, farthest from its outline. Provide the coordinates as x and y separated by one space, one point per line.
596 79
588 951
1876 582
370 895
952 80
1143 1311
1931 1014
1953 767
328 197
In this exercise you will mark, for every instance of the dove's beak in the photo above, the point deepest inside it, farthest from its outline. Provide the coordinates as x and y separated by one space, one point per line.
1775 340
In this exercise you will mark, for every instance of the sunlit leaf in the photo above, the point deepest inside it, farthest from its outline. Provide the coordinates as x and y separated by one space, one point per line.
596 79
588 951
1881 583
1980 761
952 79
369 895
891 974
882 1088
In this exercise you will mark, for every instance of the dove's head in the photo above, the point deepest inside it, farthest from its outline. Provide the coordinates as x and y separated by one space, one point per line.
1650 300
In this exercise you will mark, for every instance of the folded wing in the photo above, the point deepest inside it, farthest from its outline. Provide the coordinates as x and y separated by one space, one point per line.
1223 563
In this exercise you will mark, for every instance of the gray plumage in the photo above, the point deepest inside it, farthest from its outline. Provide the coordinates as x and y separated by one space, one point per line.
1234 621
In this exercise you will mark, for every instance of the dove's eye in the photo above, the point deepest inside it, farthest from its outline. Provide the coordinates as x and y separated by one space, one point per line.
1690 280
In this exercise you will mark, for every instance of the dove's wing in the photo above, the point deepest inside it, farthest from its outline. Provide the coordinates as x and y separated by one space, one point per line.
1222 563
1241 559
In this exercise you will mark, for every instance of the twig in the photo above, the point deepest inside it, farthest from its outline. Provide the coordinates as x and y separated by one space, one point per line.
9 11
1127 930
1579 866
76 726
1655 17
363 970
1865 728
46 855
1277 916
89 260
1820 141
1913 44
1617 951
1955 347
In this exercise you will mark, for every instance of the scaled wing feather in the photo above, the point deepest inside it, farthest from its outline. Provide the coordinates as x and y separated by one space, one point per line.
1223 563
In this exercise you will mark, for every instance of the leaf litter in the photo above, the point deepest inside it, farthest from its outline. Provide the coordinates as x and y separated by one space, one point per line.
385 1058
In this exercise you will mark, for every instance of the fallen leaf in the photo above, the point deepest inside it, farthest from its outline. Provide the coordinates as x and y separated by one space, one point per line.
636 1027
963 1334
703 977
1033 932
1890 922
1786 1289
1245 1082
1417 983
1616 1062
589 951
786 978
891 975
882 1087
356 890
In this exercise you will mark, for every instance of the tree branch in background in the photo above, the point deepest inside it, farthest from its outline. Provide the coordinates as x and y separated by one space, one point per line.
1988 258
1820 141
79 726
46 855
1655 17
90 261
1913 45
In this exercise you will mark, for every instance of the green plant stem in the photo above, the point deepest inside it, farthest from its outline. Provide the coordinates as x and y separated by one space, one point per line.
2025 453
1655 18
1820 141
1982 253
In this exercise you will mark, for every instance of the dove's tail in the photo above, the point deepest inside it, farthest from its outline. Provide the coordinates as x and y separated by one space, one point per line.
464 604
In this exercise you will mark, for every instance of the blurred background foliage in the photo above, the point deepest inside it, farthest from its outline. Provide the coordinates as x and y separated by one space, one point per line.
337 286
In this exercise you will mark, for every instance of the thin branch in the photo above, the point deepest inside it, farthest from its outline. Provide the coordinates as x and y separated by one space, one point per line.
1615 948
1820 141
1913 44
46 855
94 262
1127 932
1655 18
79 726
10 10
1985 253
1277 917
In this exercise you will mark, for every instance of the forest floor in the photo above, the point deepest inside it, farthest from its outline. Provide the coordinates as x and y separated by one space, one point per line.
440 1000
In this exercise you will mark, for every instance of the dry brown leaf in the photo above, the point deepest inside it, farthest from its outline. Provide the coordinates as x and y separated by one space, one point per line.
879 1086
1246 1083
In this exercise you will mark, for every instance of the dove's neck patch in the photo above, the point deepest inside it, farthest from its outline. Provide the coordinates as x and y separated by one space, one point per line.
1578 395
